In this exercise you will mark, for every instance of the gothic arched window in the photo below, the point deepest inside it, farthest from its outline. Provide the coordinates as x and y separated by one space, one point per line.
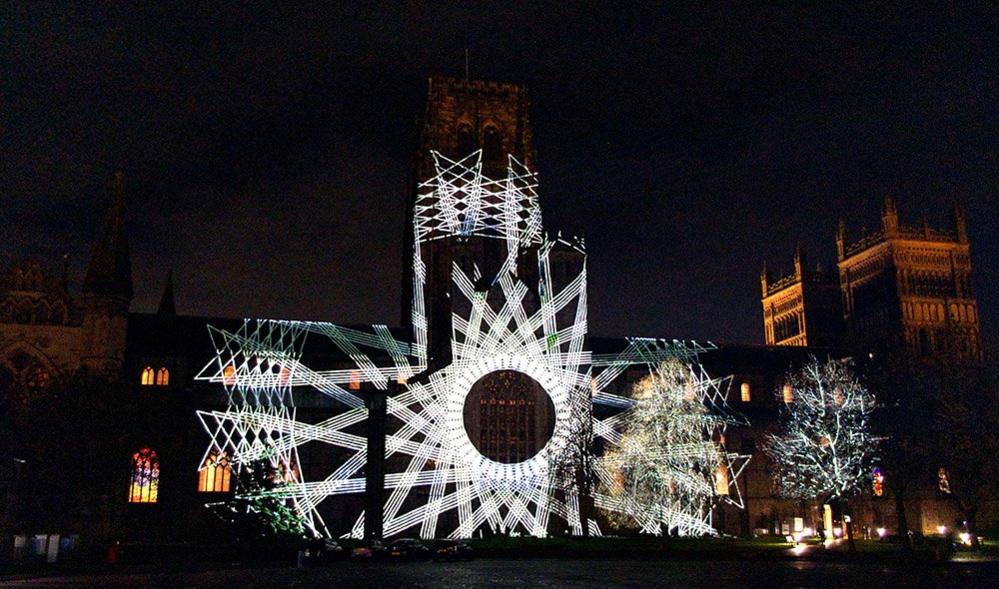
746 393
144 483
215 473
465 140
721 480
492 145
148 376
162 377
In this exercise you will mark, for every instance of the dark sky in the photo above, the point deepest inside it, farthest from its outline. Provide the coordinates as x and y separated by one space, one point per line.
268 149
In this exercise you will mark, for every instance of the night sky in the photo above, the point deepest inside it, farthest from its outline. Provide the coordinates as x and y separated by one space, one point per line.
267 150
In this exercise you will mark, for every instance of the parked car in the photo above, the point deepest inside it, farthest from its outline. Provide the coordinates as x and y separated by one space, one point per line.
453 550
324 550
409 549
372 550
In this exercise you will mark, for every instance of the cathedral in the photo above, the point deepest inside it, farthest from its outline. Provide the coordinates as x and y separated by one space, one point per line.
901 286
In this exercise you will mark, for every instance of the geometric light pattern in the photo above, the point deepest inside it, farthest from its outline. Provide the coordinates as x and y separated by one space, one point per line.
671 466
437 483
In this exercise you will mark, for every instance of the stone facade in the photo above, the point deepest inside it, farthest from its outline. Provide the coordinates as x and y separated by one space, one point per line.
900 287
910 287
802 309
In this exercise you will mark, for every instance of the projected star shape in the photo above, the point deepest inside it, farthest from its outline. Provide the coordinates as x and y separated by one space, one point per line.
513 317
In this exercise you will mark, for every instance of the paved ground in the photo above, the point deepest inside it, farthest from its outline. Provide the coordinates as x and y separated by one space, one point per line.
557 573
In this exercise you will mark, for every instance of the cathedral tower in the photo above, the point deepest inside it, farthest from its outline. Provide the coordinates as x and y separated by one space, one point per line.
802 308
461 118
910 286
107 290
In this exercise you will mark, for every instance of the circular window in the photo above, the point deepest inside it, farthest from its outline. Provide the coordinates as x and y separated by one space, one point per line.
508 416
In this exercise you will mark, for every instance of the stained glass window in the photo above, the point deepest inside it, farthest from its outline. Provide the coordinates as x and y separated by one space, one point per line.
878 482
162 377
145 480
148 376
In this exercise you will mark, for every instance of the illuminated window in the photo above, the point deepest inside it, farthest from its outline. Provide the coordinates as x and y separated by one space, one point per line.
215 473
145 479
355 380
788 393
229 375
162 377
148 376
838 395
878 482
746 393
943 483
721 480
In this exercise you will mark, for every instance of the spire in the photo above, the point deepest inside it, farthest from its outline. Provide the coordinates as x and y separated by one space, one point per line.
841 239
764 278
889 216
960 224
799 261
110 269
167 306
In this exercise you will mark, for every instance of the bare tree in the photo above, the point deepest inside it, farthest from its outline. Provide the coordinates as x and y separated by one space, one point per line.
903 419
964 438
571 468
825 448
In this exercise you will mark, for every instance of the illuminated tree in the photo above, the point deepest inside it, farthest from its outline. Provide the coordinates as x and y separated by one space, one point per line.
825 448
671 467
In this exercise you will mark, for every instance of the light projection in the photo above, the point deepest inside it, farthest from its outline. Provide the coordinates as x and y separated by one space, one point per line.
481 394
670 466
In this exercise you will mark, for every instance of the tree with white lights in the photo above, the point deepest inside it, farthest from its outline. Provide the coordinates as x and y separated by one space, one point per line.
670 463
824 448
